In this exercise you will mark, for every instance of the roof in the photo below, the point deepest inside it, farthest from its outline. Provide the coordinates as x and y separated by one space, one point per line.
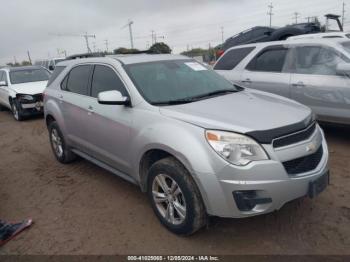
126 59
321 35
328 41
142 58
21 68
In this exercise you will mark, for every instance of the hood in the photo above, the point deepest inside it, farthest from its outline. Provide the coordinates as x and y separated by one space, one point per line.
30 88
248 111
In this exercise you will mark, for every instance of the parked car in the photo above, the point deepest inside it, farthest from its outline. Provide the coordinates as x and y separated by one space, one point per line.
335 35
21 90
260 34
264 34
197 144
314 72
49 64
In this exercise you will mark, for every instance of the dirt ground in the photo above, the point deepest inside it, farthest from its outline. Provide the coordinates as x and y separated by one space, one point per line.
82 209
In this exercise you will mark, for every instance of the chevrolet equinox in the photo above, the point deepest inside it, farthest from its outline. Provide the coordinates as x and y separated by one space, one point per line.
197 144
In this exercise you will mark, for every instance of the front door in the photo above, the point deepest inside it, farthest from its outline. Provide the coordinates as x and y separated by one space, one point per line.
315 83
109 125
266 71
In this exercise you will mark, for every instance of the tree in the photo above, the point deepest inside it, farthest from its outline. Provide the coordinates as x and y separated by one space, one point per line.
25 63
160 48
124 50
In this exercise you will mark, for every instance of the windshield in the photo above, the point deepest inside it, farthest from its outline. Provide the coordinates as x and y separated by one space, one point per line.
164 82
29 75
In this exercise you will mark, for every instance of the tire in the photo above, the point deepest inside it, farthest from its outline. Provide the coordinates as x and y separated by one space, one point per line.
185 196
16 110
2 108
59 146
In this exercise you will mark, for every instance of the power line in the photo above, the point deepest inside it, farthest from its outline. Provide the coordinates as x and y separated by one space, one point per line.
270 6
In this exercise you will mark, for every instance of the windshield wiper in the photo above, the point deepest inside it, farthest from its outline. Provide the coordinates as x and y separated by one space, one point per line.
196 98
215 93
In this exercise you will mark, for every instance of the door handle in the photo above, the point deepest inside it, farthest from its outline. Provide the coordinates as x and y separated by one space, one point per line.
299 84
91 110
247 81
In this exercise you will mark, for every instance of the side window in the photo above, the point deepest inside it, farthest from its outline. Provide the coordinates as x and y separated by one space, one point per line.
232 58
55 74
271 60
3 76
316 60
105 79
78 80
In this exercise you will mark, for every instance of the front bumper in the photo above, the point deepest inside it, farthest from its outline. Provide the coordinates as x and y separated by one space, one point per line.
268 180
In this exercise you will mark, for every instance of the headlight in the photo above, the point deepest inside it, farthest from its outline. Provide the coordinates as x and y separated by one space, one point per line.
237 149
25 98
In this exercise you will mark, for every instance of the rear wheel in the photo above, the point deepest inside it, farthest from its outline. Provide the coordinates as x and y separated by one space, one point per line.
59 146
16 110
175 197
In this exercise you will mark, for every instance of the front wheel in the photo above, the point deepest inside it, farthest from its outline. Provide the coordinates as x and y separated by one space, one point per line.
175 197
16 110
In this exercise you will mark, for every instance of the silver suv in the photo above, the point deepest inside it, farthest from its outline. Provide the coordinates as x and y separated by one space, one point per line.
314 72
197 144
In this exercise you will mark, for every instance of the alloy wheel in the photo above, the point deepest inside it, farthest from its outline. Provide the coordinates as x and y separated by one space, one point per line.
56 143
169 199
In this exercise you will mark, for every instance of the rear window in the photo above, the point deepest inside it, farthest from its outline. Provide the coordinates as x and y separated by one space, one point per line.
232 58
58 70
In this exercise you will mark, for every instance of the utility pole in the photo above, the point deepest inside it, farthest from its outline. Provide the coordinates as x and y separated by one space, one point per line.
296 16
129 24
152 35
106 43
222 34
343 15
94 47
86 36
270 6
30 60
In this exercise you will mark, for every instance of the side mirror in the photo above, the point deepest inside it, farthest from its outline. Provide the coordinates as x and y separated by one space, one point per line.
3 83
112 97
51 68
343 69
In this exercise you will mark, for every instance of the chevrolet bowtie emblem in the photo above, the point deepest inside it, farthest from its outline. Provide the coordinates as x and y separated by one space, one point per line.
310 147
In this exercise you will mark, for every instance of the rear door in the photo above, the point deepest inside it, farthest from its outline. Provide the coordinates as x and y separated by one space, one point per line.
109 125
315 82
75 102
267 71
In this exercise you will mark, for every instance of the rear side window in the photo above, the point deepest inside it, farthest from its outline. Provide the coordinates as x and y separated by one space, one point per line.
58 70
271 60
105 79
232 58
78 80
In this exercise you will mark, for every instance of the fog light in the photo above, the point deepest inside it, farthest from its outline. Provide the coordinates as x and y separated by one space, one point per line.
247 200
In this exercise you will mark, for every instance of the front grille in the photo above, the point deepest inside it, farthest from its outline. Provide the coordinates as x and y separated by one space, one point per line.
38 97
304 164
294 138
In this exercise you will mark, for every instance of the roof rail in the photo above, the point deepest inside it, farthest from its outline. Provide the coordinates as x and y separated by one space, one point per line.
85 55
